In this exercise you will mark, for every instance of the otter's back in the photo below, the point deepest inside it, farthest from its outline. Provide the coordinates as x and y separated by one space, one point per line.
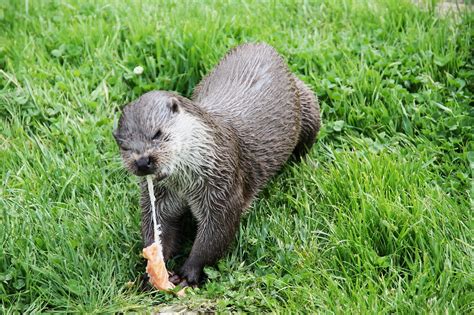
253 90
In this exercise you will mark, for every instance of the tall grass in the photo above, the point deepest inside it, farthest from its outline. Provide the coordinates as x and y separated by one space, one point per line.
377 219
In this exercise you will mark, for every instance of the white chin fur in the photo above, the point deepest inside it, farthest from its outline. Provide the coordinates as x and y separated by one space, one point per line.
192 144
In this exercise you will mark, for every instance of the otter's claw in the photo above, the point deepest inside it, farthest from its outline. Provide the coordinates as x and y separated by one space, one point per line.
175 279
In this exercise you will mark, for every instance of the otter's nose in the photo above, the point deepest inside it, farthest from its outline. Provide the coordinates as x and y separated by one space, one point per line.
144 164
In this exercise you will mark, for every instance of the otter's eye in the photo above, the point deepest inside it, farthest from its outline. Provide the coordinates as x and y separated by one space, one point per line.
157 135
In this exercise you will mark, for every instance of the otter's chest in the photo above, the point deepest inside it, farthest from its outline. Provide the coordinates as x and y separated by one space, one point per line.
187 187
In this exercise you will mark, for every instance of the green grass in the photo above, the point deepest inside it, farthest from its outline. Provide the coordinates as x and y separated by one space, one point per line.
378 219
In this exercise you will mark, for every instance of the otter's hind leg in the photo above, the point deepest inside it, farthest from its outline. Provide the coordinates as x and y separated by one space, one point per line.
310 119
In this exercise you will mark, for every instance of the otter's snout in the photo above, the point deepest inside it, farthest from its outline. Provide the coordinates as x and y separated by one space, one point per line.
145 165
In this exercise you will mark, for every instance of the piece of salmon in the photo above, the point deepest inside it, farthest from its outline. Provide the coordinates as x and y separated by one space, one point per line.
156 268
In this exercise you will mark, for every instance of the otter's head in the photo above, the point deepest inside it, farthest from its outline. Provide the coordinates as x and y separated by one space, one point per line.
155 134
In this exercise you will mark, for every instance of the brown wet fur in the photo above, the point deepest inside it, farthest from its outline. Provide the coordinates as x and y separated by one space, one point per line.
256 115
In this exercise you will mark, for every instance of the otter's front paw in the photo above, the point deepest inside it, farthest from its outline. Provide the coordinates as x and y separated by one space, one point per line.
188 275
144 284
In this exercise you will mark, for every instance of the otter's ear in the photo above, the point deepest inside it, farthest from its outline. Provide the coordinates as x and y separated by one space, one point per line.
173 105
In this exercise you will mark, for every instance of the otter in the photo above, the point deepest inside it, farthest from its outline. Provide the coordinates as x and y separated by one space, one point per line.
210 155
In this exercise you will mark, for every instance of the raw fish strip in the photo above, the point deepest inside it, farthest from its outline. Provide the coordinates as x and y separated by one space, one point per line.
155 267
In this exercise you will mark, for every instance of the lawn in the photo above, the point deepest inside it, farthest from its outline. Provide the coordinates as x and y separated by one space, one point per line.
378 219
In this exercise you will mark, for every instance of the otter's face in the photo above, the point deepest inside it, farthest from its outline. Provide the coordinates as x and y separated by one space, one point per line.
147 134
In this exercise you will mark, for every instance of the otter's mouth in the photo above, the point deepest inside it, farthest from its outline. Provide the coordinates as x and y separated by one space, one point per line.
158 176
